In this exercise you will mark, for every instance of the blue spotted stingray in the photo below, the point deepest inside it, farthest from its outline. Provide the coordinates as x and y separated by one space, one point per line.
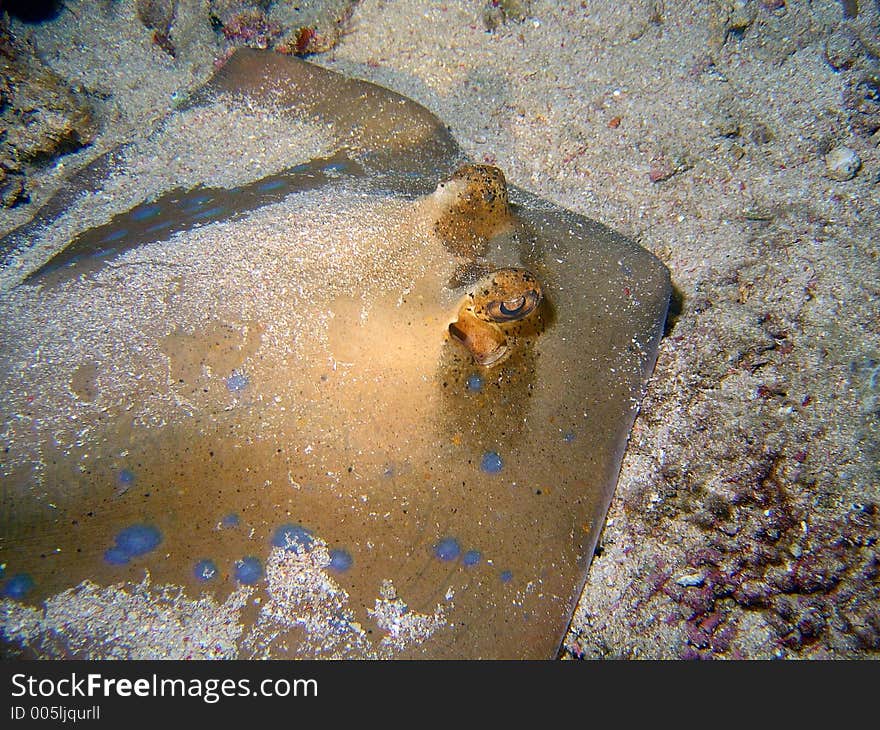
298 404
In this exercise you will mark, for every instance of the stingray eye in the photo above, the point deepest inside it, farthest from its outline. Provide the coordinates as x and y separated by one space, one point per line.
512 307
517 307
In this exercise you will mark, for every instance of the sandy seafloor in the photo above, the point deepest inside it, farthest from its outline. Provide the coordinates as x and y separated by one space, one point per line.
745 521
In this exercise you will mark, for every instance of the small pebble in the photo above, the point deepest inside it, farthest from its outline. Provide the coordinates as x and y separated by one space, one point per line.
842 49
742 14
842 164
690 580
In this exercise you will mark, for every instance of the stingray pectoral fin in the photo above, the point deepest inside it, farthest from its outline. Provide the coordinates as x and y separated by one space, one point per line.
485 341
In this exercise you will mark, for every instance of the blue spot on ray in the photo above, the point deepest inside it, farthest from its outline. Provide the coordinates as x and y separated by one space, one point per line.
447 549
237 382
138 539
474 383
293 538
340 560
132 542
491 463
471 557
230 520
115 556
506 576
18 586
248 570
205 570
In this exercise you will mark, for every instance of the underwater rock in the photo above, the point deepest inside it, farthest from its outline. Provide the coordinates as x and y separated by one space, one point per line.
498 12
158 16
12 187
295 28
311 28
842 164
244 23
43 117
843 49
291 235
40 115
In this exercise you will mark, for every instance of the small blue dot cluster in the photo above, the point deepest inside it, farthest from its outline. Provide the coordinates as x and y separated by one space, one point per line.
448 549
141 539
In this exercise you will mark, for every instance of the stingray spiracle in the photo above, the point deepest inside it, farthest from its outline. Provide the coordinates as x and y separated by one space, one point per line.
504 297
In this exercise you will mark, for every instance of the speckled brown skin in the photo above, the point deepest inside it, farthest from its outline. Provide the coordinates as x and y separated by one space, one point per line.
485 341
499 301
474 208
506 295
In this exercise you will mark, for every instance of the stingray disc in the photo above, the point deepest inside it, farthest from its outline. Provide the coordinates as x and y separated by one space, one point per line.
233 410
